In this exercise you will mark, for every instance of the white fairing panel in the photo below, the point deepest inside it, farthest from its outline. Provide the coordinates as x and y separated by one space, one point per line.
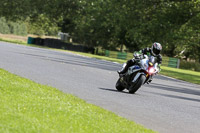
133 69
136 77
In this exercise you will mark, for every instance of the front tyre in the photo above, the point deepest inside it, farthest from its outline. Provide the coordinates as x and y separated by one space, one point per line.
134 88
119 86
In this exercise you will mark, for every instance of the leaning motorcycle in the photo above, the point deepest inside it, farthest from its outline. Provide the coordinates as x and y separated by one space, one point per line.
138 74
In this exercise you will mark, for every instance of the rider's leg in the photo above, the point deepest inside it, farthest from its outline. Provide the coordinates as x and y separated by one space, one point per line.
128 64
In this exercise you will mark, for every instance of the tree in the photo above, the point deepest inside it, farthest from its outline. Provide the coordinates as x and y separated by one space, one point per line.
112 24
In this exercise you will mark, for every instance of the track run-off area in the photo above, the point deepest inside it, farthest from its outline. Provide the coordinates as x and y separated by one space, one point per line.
166 105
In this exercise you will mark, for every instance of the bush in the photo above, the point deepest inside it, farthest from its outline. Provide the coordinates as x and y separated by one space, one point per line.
42 25
18 28
8 27
190 65
4 28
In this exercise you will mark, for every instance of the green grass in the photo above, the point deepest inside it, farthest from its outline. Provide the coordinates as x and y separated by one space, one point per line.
13 41
186 75
30 107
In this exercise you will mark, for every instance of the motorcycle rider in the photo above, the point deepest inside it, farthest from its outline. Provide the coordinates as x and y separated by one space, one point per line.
153 51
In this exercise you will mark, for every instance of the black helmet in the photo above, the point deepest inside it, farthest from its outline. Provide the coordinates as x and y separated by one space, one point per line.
156 48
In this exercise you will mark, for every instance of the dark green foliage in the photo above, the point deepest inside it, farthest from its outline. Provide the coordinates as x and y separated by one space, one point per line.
137 24
112 24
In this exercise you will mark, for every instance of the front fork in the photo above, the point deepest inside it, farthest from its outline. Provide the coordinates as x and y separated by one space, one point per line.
138 75
148 78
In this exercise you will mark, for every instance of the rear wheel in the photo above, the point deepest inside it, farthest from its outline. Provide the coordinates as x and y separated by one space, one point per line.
134 88
119 86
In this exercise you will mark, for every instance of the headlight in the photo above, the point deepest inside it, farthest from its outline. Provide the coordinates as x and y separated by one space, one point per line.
151 70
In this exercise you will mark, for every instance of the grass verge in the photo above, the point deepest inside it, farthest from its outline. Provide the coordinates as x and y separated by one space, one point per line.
30 107
13 41
186 75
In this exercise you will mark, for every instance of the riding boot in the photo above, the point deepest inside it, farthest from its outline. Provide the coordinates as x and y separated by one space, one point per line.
124 69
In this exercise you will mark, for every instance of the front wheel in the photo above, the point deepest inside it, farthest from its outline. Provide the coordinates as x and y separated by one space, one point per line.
134 88
119 86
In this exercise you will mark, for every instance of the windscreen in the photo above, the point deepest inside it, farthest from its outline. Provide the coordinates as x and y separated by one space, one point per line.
152 59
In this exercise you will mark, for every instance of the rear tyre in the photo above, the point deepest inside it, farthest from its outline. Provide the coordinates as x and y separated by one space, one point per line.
119 86
134 88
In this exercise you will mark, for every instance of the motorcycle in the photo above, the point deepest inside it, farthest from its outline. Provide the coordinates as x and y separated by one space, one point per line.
138 74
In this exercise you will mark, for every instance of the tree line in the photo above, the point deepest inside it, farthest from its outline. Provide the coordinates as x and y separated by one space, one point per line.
114 24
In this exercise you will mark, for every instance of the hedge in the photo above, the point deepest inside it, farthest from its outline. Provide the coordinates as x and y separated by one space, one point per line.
190 65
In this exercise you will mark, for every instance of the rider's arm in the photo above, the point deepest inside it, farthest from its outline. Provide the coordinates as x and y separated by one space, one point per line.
141 53
159 59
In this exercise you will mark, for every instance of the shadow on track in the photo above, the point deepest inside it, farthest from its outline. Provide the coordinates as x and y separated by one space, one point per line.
174 89
79 60
176 97
113 90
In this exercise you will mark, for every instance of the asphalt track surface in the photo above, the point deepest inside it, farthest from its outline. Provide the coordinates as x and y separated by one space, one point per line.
166 105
